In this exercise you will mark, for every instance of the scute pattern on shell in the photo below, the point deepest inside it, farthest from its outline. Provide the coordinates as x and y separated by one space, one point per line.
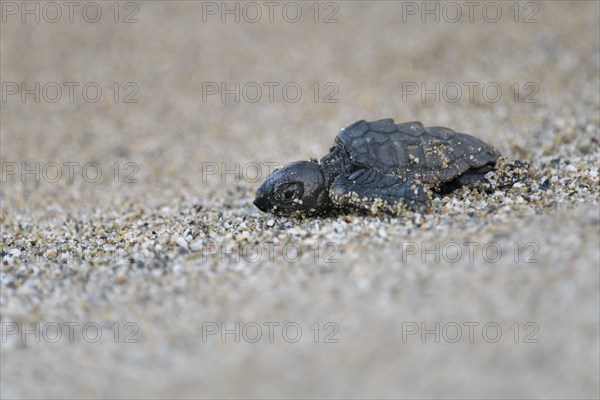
411 151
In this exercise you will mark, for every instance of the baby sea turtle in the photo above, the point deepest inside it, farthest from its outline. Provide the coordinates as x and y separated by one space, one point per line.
378 165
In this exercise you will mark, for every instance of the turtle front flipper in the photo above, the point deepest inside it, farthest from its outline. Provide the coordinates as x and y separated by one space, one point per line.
373 191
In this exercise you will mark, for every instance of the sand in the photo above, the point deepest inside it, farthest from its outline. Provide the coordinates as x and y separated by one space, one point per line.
130 215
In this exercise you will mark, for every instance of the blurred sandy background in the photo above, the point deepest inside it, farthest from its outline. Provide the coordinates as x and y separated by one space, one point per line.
170 135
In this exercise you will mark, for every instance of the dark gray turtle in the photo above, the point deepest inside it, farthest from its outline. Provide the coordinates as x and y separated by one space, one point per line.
378 166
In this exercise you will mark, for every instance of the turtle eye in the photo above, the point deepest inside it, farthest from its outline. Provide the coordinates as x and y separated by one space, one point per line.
290 192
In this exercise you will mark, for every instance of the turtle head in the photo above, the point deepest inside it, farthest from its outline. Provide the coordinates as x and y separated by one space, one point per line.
297 188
